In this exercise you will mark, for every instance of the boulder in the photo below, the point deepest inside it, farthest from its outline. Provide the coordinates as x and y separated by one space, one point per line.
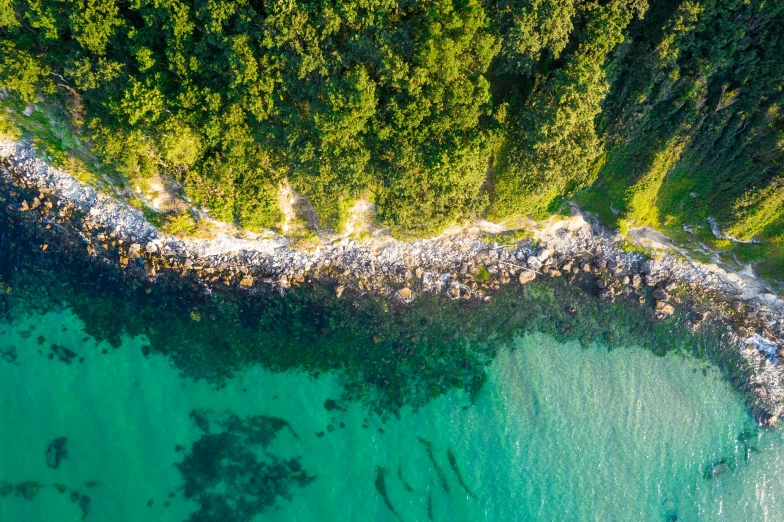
56 452
246 281
664 308
526 276
405 292
660 294
534 263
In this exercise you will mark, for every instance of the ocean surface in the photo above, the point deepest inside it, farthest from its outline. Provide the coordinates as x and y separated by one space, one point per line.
557 432
123 400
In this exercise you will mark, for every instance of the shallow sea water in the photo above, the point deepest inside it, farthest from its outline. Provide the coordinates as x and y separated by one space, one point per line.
558 432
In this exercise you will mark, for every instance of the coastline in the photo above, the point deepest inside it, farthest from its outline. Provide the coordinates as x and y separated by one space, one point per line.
462 265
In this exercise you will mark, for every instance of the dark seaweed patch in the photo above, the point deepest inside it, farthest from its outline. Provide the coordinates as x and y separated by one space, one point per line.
381 487
9 354
56 452
229 472
63 353
429 449
402 480
453 464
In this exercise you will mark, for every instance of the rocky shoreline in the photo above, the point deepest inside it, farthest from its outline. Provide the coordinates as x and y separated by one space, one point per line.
467 265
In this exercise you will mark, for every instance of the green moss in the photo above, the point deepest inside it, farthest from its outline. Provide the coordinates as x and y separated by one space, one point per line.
483 275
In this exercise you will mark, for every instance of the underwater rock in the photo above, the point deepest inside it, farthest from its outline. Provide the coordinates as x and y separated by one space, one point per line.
28 490
332 404
83 501
63 353
697 318
718 469
56 452
6 489
664 308
9 355
660 294
765 418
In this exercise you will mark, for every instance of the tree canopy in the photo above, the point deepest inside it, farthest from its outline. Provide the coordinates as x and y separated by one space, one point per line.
438 110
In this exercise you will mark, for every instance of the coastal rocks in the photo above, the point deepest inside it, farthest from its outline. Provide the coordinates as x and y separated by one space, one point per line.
459 266
526 276
765 418
56 452
405 293
664 308
534 263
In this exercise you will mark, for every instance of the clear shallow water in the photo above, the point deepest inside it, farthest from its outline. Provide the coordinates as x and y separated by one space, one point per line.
557 432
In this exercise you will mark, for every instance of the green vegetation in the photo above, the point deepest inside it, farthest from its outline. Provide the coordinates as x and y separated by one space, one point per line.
661 114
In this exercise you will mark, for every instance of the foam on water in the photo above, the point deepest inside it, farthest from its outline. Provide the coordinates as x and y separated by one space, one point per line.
558 433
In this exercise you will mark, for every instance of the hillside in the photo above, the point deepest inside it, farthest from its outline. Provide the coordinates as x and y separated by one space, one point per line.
661 115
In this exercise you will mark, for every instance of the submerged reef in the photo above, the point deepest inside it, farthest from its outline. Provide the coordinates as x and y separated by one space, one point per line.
56 452
229 471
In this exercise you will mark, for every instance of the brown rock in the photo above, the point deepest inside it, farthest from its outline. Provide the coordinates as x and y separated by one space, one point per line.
246 281
664 308
405 293
526 276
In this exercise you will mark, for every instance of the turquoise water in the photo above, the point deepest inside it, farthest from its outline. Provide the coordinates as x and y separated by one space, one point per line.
558 431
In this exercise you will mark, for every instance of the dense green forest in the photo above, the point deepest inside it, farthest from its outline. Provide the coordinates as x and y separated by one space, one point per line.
436 110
